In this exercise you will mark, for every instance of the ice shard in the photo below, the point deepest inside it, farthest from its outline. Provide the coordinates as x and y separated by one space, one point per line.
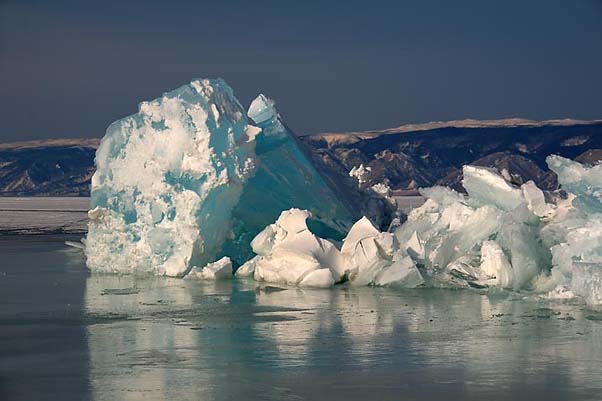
587 282
495 265
221 269
487 187
284 178
191 178
582 181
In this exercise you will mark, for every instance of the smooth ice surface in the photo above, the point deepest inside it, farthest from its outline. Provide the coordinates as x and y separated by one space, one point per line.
190 178
70 335
43 215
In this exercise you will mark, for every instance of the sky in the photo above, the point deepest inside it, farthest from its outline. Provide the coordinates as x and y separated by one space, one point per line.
70 68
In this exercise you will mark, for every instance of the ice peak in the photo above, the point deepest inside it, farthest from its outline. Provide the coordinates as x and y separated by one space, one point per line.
262 110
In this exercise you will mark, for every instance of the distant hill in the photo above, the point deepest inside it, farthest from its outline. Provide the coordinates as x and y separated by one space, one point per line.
55 167
434 153
407 157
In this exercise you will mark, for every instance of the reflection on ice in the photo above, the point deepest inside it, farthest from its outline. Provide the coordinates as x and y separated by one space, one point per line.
144 353
156 338
188 338
351 316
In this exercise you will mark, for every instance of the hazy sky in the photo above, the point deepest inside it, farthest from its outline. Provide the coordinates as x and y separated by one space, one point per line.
70 68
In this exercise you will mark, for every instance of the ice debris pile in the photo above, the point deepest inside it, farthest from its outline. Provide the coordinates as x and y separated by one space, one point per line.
182 182
513 237
498 235
288 253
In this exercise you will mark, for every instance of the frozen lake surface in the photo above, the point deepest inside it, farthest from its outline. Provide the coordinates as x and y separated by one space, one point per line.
38 215
68 335
41 215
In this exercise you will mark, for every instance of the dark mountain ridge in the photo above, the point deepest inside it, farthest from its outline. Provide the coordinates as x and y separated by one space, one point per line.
406 158
410 160
60 167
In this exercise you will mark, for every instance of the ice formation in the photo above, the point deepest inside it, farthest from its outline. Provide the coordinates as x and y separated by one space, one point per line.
498 235
512 237
284 178
167 180
376 201
191 179
222 269
361 173
182 182
289 253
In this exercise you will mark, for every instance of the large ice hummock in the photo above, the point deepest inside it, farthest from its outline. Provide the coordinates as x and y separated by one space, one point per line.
173 189
191 180
167 179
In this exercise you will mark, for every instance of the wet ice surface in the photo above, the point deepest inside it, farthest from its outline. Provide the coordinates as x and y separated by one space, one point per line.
69 335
